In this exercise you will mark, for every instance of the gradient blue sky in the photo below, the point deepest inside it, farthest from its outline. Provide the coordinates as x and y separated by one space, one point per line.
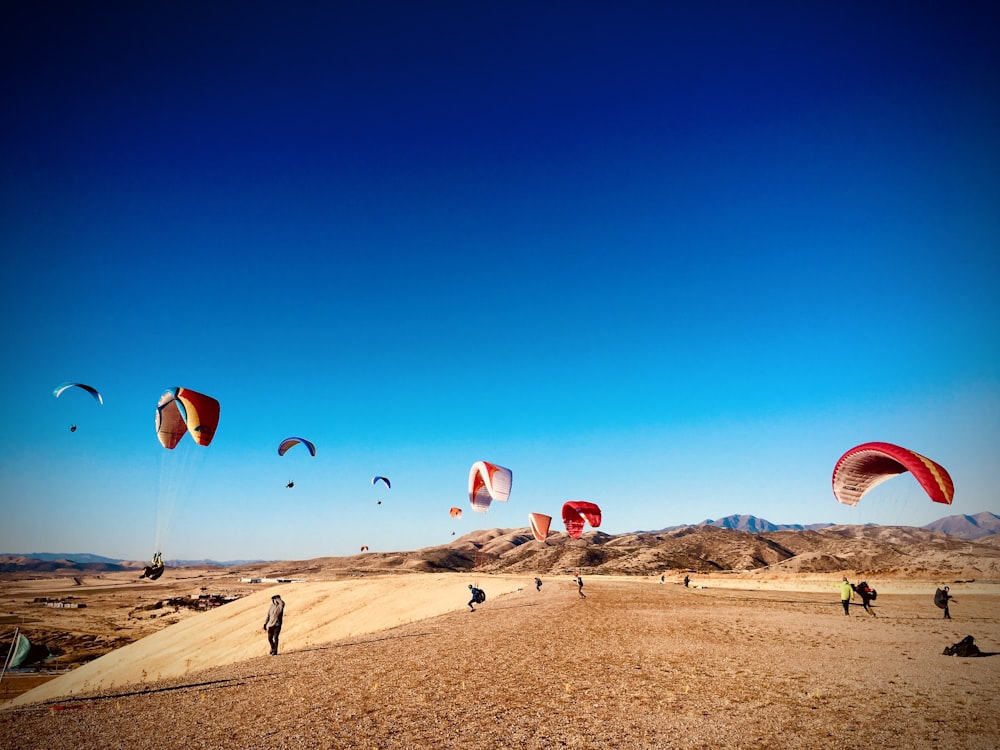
671 258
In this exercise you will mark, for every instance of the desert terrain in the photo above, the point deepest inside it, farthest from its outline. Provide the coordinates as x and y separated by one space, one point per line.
390 656
636 664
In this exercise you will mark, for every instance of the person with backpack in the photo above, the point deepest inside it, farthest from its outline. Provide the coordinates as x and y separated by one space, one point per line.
941 599
579 585
867 594
478 597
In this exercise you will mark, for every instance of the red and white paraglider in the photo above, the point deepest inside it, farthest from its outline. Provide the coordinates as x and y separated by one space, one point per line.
488 482
868 465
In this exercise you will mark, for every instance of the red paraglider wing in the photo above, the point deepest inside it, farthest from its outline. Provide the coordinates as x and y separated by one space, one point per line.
455 512
868 465
576 512
539 525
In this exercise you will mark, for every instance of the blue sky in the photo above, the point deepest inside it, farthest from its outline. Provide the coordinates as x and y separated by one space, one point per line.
674 259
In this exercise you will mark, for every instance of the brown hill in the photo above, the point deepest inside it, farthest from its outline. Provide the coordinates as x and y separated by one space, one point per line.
703 549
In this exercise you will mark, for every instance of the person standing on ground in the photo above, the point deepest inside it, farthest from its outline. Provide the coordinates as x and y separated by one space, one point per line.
846 592
941 599
275 615
687 580
579 585
538 584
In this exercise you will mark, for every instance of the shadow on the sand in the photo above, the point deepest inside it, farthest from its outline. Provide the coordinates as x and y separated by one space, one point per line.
83 701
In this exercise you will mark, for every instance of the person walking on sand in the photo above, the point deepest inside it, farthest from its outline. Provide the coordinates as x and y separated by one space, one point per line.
846 592
867 593
579 585
275 615
538 584
687 580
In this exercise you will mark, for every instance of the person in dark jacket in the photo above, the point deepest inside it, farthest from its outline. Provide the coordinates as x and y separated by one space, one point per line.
867 593
476 597
275 616
941 599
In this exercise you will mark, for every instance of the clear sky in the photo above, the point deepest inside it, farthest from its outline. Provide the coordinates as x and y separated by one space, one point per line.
672 258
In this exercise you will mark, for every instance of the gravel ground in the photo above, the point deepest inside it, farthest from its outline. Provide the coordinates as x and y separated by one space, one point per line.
634 665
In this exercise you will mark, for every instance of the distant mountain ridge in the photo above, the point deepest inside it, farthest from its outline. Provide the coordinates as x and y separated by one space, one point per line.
756 525
977 527
967 527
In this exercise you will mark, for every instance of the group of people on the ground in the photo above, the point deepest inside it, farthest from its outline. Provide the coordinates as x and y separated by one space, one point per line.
276 612
942 597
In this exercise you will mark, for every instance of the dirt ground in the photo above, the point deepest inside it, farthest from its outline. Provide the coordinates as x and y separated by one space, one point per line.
634 665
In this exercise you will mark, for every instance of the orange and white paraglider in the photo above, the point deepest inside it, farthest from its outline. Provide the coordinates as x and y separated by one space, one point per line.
539 525
488 482
576 512
180 412
867 465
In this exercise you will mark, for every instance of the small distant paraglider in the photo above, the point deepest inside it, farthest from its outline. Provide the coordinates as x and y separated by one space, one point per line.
58 391
364 547
384 480
867 465
488 482
88 388
285 445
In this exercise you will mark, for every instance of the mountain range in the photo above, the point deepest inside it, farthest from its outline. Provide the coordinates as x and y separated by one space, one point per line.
734 543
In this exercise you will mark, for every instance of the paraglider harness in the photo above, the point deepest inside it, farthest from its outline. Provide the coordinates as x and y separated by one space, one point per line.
154 571
965 647
478 595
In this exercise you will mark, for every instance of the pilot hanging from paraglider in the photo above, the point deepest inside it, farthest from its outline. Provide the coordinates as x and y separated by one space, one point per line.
155 569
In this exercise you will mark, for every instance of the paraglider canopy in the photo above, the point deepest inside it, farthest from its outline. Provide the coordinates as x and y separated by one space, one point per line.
539 525
867 465
576 512
88 388
181 411
288 442
384 480
455 512
488 482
